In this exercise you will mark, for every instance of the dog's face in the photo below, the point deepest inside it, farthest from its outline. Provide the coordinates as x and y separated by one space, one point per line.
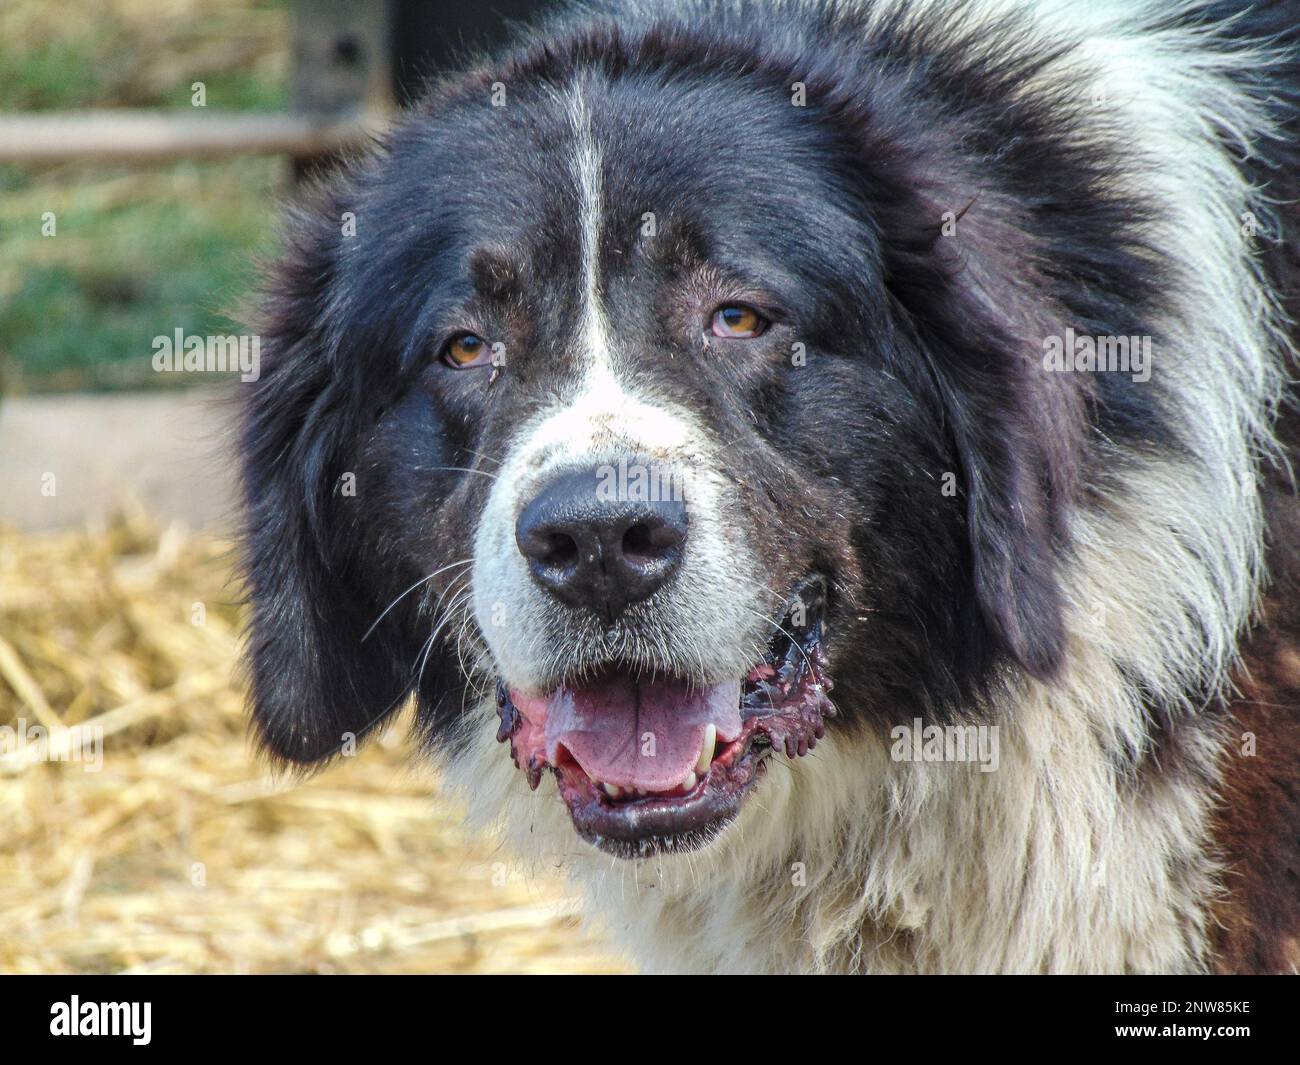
622 417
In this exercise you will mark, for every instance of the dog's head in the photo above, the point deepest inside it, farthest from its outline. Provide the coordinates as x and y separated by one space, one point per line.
639 387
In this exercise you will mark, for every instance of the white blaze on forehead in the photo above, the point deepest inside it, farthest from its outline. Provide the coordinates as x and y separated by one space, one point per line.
603 420
587 173
602 413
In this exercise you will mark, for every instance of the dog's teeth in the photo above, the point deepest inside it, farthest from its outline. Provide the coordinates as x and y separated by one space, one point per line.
689 782
612 790
706 751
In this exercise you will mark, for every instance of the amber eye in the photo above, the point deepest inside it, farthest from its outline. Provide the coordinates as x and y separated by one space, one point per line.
738 322
465 351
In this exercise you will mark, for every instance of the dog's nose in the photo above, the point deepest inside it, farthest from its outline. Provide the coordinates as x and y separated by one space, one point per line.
597 553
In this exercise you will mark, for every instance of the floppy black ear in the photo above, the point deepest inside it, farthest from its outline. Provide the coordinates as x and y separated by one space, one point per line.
1015 532
980 320
316 679
979 295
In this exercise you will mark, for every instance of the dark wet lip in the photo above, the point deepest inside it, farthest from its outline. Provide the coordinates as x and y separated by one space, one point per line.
643 825
652 824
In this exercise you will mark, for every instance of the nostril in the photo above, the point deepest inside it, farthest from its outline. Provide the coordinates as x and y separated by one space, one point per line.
650 541
550 548
557 550
636 541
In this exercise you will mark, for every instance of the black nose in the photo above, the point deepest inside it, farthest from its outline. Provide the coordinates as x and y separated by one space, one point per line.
596 553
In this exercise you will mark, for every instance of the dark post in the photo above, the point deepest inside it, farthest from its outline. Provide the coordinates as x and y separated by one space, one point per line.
342 61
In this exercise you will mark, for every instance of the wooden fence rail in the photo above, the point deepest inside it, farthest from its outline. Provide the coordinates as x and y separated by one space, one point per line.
150 136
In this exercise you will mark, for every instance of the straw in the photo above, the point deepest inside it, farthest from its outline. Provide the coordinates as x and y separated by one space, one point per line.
178 854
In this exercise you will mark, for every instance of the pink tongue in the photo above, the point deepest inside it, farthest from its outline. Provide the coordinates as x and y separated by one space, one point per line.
644 734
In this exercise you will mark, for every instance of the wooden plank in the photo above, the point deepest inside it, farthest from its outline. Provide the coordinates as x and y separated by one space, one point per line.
148 136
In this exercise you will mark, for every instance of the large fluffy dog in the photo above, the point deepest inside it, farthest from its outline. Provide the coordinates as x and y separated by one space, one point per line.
697 357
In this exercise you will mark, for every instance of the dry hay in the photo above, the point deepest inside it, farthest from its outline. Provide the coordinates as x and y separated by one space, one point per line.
180 854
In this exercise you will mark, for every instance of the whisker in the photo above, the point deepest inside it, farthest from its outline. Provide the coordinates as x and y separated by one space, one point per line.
432 637
485 458
787 635
422 580
460 469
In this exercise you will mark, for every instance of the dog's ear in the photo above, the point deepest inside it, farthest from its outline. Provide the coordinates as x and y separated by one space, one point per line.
1018 430
1014 524
318 681
975 306
976 315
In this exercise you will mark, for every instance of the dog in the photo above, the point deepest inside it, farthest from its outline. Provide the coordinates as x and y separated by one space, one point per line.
822 472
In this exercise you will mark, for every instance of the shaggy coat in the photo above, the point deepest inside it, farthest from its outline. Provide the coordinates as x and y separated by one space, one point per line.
931 203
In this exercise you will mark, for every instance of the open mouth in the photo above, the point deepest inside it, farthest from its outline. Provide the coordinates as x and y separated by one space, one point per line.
647 765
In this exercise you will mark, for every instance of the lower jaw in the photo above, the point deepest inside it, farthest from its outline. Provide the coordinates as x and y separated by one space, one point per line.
650 825
783 712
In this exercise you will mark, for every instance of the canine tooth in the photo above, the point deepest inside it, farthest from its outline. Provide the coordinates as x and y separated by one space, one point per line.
706 750
689 782
612 790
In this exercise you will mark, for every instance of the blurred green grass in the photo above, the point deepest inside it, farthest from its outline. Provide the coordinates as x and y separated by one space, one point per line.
138 251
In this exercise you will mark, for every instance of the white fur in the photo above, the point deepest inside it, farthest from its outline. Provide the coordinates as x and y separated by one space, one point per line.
849 861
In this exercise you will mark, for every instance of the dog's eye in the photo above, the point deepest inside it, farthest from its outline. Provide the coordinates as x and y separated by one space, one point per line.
466 350
738 322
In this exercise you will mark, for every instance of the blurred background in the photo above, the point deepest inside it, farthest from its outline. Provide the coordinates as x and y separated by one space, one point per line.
145 149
